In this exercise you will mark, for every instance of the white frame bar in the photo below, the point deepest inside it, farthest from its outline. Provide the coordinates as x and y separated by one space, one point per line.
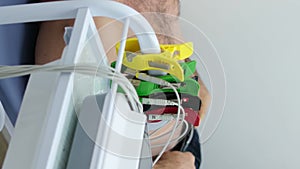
63 94
68 10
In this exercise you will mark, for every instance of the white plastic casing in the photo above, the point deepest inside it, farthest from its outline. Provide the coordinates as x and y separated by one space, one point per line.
126 138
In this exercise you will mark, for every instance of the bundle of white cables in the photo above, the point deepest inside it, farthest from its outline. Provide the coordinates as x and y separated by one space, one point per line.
109 73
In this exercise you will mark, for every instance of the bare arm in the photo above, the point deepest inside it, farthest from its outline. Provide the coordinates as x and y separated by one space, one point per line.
50 42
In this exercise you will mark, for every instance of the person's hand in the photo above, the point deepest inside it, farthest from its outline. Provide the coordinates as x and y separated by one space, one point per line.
176 160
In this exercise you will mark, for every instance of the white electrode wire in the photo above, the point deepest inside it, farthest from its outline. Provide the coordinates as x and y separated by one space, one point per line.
189 139
132 90
119 79
14 71
174 128
158 81
129 90
162 134
181 134
167 132
88 69
177 139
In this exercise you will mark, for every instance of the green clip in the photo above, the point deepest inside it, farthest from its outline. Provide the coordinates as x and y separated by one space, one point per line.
188 86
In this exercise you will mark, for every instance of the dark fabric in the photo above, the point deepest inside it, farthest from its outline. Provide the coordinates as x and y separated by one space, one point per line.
194 147
17 44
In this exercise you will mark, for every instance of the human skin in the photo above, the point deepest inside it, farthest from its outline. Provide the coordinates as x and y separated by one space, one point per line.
163 17
176 160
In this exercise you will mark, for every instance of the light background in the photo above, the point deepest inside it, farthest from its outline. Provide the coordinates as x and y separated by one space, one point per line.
259 45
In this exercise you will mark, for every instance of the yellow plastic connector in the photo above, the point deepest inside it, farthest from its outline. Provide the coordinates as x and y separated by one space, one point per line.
161 61
178 51
167 61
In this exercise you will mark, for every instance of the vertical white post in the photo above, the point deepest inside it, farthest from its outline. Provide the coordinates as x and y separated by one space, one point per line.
57 117
99 154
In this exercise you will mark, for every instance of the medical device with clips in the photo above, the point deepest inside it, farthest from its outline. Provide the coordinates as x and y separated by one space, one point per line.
44 133
180 78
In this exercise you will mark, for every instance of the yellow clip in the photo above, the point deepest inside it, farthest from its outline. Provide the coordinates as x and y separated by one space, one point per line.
178 51
161 61
165 61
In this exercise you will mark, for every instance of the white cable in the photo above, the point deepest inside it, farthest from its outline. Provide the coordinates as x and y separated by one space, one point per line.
189 139
14 71
183 134
177 139
116 77
159 81
165 133
164 103
88 69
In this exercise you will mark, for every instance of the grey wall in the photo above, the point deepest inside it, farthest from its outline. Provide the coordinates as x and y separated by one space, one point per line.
259 45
